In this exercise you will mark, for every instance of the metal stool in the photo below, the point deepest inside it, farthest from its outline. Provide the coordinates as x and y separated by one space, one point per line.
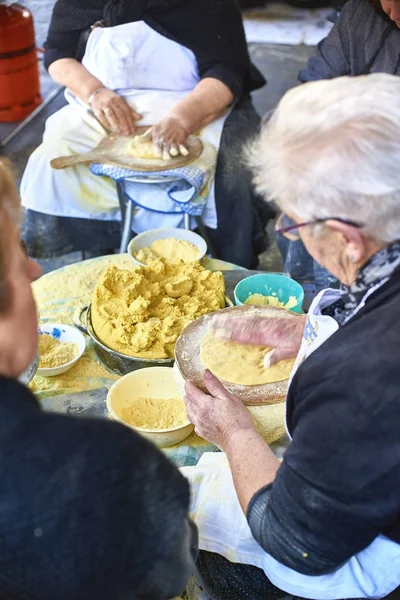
127 211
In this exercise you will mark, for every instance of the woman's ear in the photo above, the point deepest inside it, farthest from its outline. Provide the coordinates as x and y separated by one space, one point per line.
356 247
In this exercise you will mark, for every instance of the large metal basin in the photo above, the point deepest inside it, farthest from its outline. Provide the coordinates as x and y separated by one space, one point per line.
113 360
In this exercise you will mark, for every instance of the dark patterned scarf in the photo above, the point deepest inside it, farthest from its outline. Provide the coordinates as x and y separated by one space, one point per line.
380 266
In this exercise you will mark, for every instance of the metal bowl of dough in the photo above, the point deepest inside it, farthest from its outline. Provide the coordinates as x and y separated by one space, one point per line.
113 360
30 372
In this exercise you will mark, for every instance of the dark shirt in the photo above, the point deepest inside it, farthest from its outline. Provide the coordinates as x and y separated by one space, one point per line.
212 29
89 510
338 487
363 40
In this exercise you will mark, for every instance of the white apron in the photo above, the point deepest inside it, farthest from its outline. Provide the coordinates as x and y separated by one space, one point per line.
153 73
223 528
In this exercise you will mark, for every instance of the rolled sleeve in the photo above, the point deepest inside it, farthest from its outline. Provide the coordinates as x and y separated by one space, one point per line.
233 76
333 494
281 525
61 45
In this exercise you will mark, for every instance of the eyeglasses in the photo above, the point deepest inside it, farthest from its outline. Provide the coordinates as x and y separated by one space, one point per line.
287 227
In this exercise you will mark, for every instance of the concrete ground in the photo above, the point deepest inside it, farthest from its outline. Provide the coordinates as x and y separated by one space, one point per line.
279 64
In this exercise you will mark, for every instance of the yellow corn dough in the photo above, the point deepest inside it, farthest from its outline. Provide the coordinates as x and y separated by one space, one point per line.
261 300
142 312
140 149
241 363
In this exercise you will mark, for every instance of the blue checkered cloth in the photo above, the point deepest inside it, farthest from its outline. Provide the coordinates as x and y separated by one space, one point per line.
188 192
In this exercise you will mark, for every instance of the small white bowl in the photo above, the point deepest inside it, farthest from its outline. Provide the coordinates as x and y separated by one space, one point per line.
145 240
153 382
63 333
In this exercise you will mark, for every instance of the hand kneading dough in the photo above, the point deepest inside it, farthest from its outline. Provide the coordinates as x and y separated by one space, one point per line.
240 363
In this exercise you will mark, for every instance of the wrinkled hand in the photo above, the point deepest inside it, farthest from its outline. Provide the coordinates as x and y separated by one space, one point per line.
284 335
217 416
169 138
114 113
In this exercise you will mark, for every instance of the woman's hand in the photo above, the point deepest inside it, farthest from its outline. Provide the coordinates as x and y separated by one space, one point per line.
217 416
284 335
114 113
169 137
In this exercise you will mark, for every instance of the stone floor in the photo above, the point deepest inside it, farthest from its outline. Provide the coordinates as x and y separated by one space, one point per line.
280 65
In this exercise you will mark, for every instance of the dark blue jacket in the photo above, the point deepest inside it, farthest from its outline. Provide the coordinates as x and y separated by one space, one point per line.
89 510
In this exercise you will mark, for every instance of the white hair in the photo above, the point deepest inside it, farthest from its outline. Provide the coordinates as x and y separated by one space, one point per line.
332 149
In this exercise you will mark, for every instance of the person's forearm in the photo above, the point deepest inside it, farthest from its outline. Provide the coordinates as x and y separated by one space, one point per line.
203 105
70 73
252 463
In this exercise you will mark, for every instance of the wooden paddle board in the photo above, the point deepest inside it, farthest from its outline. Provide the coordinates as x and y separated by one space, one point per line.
114 150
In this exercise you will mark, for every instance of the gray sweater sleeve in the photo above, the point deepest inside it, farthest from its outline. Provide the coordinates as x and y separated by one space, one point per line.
332 58
362 41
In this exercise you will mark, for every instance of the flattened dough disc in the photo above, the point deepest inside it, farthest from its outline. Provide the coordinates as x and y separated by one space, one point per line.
188 365
240 363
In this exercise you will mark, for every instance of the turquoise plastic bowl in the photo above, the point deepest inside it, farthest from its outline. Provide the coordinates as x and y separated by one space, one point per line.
270 284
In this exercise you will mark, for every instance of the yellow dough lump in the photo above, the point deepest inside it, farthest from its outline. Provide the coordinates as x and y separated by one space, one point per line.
141 149
156 413
173 250
261 300
142 312
240 363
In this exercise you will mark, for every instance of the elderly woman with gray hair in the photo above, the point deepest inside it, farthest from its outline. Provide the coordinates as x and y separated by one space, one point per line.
365 39
325 523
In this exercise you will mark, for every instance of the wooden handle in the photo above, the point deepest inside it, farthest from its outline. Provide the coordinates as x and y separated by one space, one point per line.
63 162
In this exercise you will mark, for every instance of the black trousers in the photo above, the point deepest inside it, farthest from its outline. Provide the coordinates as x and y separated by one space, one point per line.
242 215
231 581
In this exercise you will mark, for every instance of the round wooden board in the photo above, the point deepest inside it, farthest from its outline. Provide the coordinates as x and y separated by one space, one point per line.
114 150
188 365
194 145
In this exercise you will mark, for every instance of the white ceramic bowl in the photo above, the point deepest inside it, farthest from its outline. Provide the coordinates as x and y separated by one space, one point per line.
145 240
64 333
153 382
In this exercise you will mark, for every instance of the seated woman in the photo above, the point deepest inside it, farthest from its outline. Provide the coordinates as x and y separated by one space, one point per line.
365 39
326 519
182 66
89 509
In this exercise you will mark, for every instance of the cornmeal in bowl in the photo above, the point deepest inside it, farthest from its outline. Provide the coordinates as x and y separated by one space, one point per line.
53 353
171 249
155 413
